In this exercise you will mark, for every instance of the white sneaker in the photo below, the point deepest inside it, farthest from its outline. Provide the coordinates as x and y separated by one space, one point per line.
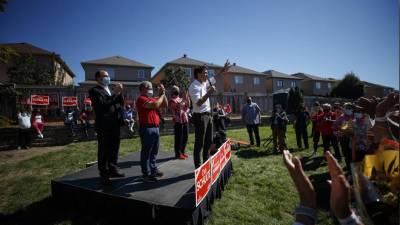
19 148
41 136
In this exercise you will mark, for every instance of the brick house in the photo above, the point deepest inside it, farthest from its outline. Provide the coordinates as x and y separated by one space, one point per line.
63 75
314 85
120 69
275 81
188 64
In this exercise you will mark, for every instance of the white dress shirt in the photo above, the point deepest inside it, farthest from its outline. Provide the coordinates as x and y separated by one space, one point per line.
196 91
106 88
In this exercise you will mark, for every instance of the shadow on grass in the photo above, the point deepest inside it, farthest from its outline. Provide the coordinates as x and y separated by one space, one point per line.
312 163
251 152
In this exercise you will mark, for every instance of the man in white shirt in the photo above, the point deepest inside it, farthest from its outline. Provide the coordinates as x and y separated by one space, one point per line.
200 90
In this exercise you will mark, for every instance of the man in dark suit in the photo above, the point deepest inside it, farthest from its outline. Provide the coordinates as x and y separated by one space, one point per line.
107 106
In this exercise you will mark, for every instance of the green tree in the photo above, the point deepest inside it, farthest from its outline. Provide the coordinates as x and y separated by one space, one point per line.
295 100
349 87
7 54
176 76
25 69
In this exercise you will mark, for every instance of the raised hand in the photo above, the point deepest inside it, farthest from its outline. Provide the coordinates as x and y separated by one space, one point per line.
118 88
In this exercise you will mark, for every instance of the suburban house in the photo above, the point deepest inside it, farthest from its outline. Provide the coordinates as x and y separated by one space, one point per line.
376 90
275 81
238 79
314 85
188 64
63 76
120 69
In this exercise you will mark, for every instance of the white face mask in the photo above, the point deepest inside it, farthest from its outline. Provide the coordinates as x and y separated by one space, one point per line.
348 112
149 93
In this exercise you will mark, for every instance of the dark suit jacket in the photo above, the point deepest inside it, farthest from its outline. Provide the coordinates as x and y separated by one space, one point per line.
108 109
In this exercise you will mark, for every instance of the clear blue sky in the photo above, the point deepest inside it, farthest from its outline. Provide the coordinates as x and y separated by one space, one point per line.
320 37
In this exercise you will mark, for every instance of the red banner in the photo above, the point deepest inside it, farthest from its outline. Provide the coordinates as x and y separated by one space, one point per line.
216 165
227 149
202 177
70 101
53 101
87 101
40 100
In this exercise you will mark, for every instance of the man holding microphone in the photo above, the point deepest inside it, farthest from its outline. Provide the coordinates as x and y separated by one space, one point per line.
200 91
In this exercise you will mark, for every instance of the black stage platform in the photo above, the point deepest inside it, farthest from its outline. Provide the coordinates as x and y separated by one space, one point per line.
171 200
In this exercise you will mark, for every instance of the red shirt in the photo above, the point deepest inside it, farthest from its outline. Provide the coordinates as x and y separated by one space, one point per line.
325 127
147 116
179 110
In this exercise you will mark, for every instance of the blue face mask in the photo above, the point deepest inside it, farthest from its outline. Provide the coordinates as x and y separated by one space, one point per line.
348 112
358 115
105 81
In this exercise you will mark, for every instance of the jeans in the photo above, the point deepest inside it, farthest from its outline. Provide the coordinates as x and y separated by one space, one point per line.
150 140
253 128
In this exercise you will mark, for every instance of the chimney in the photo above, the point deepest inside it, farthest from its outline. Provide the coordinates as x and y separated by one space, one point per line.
234 64
184 55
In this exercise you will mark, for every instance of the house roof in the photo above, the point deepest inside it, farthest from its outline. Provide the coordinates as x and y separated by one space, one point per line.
368 84
93 82
26 48
276 74
311 77
117 61
184 60
238 69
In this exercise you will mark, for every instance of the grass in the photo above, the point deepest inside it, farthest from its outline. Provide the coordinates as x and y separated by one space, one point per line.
259 192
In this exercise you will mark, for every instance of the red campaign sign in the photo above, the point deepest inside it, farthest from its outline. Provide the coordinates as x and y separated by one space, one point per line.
53 100
203 181
87 101
216 165
227 150
70 101
40 100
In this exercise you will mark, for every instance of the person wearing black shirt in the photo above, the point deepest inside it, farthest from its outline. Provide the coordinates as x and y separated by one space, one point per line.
300 126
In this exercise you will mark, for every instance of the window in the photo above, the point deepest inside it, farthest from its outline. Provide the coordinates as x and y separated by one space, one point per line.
188 71
256 80
211 73
318 85
293 84
110 72
279 83
238 79
329 85
140 74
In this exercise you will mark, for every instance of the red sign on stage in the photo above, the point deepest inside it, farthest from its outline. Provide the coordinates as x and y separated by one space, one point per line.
227 150
216 165
40 100
202 177
70 101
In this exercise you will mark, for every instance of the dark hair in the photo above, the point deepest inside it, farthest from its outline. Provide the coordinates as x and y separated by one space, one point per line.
97 74
198 70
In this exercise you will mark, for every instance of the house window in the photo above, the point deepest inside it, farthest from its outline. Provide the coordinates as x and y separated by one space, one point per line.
329 85
293 84
318 85
279 83
188 71
110 72
238 79
140 74
256 80
211 73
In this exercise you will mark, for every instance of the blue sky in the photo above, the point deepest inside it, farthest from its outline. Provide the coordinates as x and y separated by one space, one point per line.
320 37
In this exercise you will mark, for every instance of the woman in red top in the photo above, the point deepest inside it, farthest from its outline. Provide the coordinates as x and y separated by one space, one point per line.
179 109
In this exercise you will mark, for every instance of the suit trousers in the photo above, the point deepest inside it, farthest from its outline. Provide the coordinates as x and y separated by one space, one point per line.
203 132
108 147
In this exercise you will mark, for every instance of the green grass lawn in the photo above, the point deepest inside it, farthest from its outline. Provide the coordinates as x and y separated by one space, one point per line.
259 192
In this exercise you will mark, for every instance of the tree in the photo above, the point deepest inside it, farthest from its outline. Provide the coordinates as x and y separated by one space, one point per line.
295 100
176 76
25 69
349 87
7 54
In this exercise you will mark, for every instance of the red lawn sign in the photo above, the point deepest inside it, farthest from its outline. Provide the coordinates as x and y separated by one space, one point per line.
70 101
216 165
40 100
202 177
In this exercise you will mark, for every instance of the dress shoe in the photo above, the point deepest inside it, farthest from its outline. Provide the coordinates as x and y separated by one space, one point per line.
105 180
157 174
149 179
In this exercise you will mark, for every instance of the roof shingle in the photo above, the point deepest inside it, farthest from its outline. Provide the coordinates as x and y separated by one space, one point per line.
276 74
117 61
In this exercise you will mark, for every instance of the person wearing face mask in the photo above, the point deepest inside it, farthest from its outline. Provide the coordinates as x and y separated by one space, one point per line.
149 121
107 106
325 121
359 140
179 109
342 130
251 116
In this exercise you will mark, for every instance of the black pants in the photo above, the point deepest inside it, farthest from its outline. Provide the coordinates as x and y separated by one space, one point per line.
203 129
327 141
301 132
24 138
108 147
316 137
253 128
346 151
181 133
219 124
